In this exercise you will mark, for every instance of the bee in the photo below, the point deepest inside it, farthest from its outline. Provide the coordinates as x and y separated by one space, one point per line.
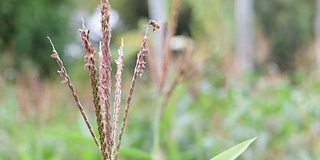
154 25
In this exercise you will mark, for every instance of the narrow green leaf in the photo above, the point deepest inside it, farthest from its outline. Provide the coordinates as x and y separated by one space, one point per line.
234 152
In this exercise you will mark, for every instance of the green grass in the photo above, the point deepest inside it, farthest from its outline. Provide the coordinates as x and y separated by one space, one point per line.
283 117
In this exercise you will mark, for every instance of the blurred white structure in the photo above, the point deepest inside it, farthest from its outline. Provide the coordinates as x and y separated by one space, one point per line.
158 12
244 58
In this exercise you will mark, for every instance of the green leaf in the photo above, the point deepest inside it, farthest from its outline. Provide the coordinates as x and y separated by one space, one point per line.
234 152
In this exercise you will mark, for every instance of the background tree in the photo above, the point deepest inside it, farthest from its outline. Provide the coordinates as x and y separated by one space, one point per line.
288 25
317 33
24 27
131 12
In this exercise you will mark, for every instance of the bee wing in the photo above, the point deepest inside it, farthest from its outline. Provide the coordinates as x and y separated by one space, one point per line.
162 24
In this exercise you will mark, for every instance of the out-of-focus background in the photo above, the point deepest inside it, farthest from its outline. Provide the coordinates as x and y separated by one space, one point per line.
251 70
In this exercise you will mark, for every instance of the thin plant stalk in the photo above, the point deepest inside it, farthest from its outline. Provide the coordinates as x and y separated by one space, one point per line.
171 32
156 130
89 57
117 98
105 76
66 79
138 71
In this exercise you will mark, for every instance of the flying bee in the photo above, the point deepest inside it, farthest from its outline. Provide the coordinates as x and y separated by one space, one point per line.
154 25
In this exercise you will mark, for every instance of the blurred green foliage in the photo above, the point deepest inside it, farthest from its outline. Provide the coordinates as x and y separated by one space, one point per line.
289 26
284 117
25 26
